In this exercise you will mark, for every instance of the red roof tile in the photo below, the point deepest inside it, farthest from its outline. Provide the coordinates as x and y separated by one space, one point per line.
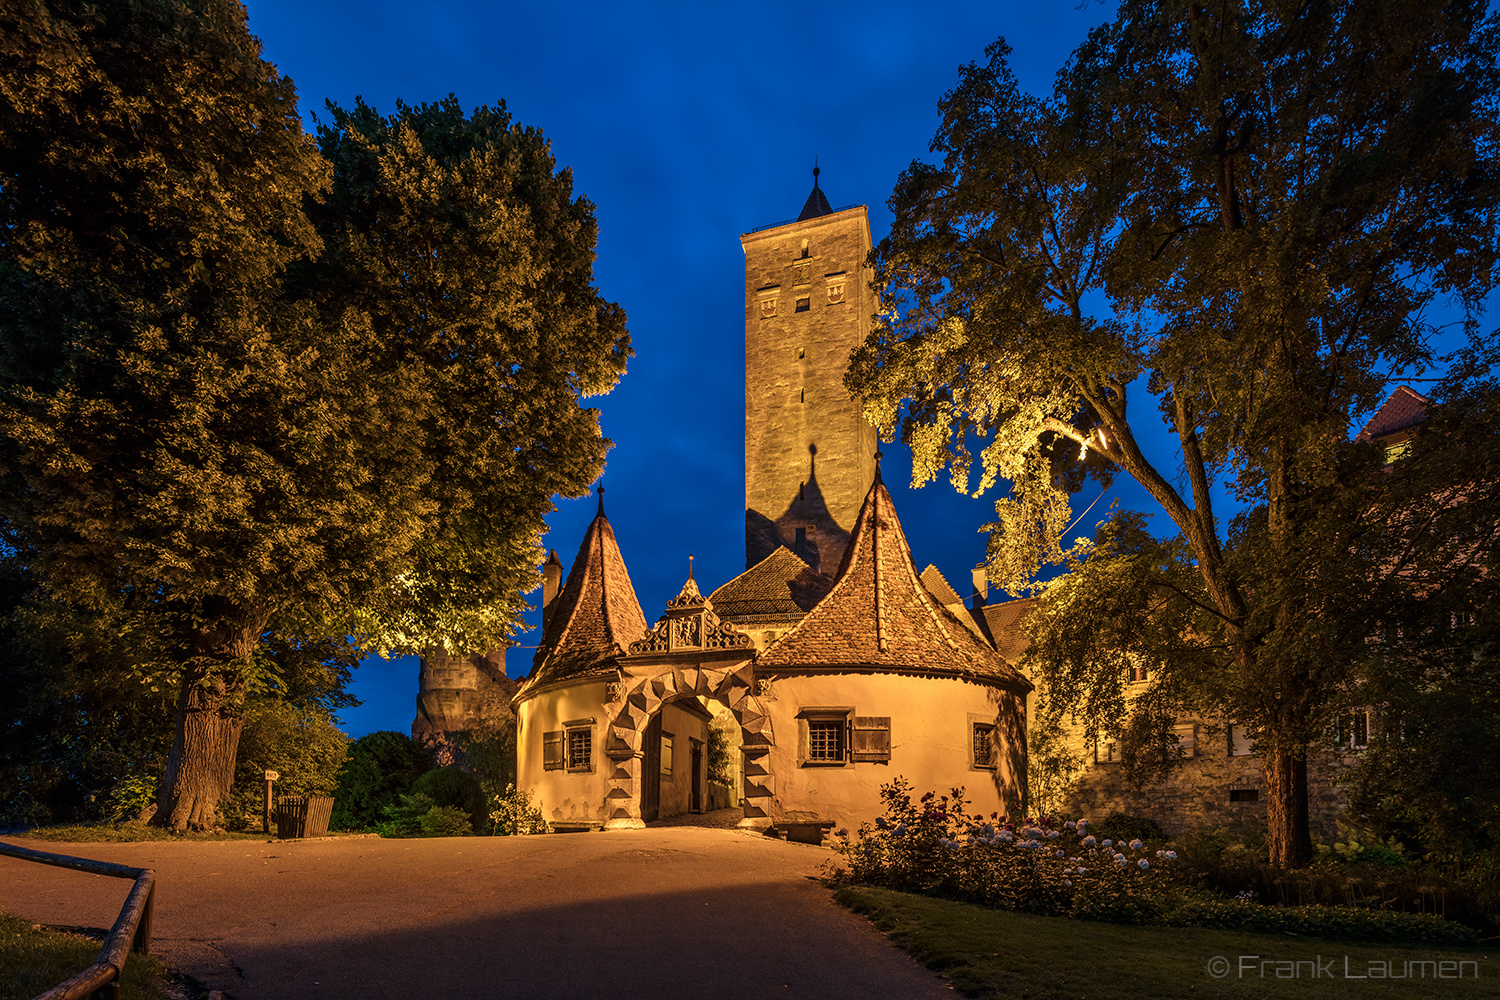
879 615
781 586
1404 409
1004 621
937 585
596 616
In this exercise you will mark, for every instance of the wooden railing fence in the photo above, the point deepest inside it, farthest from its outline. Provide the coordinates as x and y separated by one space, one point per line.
131 932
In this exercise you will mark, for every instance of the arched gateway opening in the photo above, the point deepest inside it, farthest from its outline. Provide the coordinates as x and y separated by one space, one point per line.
689 654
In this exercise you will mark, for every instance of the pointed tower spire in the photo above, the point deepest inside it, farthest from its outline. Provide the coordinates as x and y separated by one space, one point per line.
595 616
817 202
881 615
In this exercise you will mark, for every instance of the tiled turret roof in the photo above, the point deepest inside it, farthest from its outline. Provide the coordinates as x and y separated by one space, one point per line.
880 616
780 586
596 616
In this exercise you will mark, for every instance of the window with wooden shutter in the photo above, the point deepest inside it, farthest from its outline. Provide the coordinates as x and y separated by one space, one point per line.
871 741
552 751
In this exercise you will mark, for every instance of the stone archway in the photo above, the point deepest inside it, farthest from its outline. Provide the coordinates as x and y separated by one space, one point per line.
640 693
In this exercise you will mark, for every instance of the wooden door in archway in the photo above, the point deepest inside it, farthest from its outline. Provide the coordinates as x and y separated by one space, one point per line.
651 770
696 803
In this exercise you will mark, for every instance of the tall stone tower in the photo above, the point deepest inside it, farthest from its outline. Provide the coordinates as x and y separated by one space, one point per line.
809 453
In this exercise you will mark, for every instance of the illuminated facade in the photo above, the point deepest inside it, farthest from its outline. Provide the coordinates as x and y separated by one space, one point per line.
809 452
840 665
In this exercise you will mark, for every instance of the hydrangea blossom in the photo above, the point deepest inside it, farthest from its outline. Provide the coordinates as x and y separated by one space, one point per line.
1135 845
1089 841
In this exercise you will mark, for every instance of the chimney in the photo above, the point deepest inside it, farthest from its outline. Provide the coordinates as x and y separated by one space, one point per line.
551 584
981 577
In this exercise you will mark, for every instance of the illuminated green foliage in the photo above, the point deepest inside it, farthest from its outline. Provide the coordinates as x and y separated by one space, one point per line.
1225 229
244 387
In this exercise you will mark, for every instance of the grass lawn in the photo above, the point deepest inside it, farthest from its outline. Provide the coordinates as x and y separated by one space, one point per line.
995 953
102 833
33 961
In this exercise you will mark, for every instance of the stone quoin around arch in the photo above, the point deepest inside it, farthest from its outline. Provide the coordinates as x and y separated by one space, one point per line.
643 688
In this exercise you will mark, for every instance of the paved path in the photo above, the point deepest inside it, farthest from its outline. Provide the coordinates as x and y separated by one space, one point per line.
664 912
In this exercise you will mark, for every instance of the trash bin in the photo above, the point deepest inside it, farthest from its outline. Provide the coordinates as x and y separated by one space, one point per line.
302 816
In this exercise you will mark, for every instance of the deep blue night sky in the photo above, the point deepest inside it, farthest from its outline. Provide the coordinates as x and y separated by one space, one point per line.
686 125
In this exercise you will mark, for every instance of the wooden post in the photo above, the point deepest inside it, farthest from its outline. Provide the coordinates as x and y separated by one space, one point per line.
271 777
141 944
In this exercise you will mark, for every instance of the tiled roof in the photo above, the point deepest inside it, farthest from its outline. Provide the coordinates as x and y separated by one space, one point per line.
596 616
879 615
780 585
1404 409
1004 622
937 585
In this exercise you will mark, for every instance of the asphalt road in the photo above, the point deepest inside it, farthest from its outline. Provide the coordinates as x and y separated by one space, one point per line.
665 912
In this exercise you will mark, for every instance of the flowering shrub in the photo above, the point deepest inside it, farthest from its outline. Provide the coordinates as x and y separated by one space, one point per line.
1034 865
512 814
1037 865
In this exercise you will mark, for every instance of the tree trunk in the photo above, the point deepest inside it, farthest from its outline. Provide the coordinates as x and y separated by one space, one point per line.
200 769
1286 807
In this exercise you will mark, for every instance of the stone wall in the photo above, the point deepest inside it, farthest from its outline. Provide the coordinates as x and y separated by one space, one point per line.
809 453
454 692
1196 792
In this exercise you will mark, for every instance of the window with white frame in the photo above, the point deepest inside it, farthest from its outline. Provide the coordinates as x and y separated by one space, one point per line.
1239 741
1353 730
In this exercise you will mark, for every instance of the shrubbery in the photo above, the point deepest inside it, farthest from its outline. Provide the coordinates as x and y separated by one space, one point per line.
454 788
932 846
1034 866
512 814
379 769
303 746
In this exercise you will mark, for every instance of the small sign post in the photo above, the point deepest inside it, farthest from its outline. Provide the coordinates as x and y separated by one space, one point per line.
271 777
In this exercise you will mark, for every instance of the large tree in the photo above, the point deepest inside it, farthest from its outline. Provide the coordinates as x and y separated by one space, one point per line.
196 435
1234 216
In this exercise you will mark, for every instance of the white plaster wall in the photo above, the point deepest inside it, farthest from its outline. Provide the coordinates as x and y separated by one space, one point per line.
930 745
677 791
563 796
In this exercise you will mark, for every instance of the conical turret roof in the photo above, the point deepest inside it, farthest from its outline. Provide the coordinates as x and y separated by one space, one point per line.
596 616
817 202
879 615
